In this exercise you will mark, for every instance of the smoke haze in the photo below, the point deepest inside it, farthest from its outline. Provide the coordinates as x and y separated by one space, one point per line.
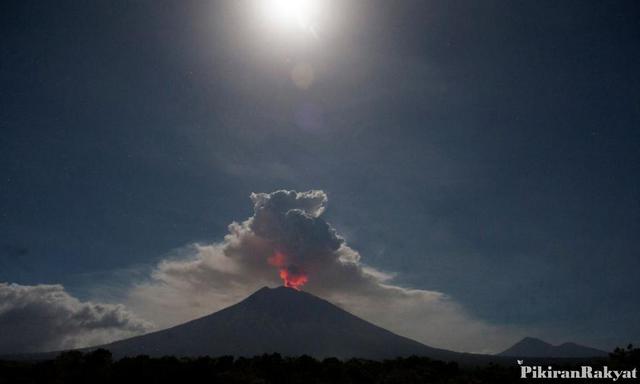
288 233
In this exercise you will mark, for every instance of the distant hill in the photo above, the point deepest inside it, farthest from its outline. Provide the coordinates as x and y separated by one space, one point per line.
281 320
532 347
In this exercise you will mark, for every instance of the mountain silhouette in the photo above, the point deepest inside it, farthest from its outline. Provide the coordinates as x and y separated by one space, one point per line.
532 347
281 320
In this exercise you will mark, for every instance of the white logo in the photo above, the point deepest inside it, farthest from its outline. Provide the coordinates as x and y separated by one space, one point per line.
585 372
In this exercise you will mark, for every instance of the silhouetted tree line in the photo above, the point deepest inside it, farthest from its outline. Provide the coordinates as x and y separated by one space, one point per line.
628 358
99 367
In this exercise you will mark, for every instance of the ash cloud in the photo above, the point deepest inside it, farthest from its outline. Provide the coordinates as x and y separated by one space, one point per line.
212 276
35 318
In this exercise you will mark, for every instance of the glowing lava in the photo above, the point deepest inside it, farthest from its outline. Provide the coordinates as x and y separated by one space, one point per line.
292 276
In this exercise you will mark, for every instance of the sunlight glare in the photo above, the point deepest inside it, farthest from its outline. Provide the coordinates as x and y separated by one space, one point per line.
288 13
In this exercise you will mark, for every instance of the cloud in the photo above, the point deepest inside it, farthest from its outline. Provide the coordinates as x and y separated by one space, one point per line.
36 318
208 277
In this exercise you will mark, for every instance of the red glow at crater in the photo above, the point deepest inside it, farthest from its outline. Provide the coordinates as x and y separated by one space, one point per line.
291 275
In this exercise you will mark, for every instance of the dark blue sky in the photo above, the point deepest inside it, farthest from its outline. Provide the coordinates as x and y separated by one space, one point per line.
488 150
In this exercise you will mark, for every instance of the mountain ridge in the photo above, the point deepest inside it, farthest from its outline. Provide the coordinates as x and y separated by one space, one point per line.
533 347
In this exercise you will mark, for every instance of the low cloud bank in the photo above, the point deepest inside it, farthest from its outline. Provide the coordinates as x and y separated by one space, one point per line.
36 318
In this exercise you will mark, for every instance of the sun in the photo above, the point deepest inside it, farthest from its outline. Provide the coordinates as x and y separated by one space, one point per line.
299 14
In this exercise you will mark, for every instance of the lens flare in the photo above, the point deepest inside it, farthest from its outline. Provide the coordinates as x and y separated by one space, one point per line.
291 275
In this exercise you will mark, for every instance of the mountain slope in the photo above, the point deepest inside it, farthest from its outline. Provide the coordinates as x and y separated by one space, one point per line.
279 320
532 347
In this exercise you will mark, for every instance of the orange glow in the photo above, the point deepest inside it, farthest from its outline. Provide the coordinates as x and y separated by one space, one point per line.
295 281
292 276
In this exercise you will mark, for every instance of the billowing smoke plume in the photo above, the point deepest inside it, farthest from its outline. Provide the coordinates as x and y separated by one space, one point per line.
36 318
302 242
287 241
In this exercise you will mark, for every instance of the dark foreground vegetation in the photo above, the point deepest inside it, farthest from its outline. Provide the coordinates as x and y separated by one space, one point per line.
99 367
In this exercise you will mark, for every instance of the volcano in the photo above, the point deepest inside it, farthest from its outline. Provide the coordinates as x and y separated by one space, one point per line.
278 320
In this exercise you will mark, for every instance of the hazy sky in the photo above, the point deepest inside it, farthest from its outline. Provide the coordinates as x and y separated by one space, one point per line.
488 150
